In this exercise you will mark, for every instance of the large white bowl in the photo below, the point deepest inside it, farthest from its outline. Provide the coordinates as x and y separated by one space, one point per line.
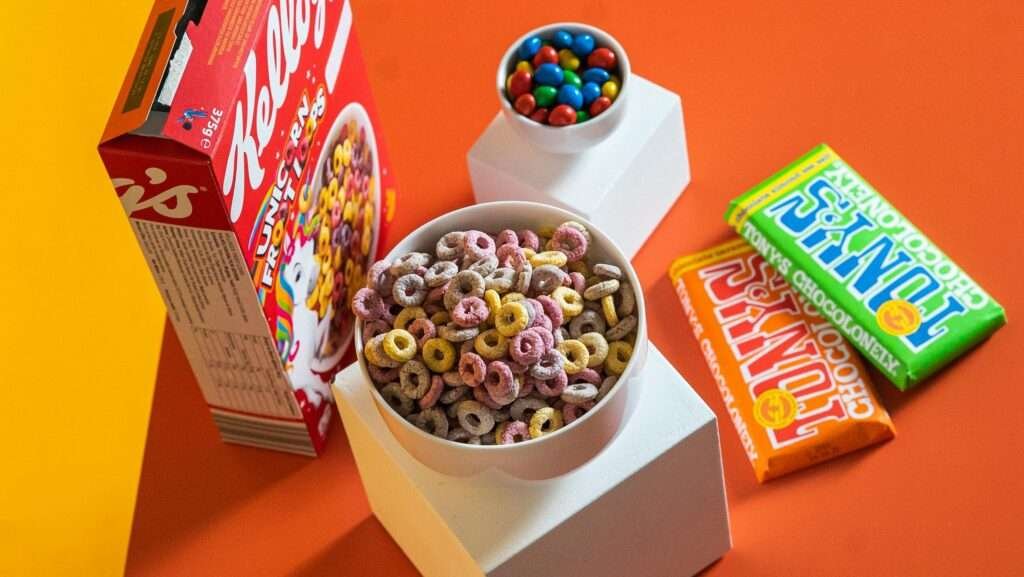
576 137
553 454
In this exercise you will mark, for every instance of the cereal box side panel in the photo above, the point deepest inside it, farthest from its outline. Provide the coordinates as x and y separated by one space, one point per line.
174 206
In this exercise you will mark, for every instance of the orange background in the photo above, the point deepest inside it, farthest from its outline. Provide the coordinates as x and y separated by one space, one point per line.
923 98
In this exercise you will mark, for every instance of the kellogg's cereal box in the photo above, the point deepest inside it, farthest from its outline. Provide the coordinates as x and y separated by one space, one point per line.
795 390
247 154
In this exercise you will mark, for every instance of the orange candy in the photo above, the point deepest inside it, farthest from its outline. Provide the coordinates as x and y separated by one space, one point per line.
796 391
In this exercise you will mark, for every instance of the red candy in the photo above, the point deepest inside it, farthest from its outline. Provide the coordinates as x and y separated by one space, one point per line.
601 58
545 54
540 115
600 105
520 83
563 115
525 104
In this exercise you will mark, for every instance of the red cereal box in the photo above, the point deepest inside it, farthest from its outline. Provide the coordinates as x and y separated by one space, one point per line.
796 391
247 153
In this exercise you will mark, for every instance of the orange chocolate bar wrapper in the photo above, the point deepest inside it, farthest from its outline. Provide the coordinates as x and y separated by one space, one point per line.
796 391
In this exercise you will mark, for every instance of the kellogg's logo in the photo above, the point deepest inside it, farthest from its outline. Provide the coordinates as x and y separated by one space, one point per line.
133 197
287 32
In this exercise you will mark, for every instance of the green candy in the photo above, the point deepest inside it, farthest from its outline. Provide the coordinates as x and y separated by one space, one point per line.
545 95
570 77
582 116
880 282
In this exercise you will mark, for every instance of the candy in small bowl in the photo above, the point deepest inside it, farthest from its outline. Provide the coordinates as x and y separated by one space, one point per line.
564 86
503 336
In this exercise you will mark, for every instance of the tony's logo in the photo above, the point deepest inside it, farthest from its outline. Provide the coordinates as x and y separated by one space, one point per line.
190 114
132 196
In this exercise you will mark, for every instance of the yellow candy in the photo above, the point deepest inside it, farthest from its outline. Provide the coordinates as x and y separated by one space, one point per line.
408 315
511 318
610 89
608 306
438 355
619 353
399 345
576 355
491 345
545 416
524 65
569 300
552 257
568 60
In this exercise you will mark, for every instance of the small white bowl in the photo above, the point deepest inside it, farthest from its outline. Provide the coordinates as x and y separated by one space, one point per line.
577 137
558 452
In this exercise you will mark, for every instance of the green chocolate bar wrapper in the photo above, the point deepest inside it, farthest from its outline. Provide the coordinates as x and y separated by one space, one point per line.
887 288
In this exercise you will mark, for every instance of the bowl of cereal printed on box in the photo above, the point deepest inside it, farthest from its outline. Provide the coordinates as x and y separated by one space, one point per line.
506 336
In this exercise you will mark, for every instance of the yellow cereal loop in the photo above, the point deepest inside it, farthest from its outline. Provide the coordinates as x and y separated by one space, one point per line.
310 127
350 267
545 420
440 318
321 203
336 259
552 257
499 432
597 347
314 296
325 303
346 152
336 159
365 240
277 235
513 298
569 300
438 355
305 199
332 191
511 318
348 212
408 315
608 307
546 231
400 345
529 253
493 301
368 215
580 267
619 353
576 355
491 345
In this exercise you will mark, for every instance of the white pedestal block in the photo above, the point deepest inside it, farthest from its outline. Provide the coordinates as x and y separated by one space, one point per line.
651 504
624 185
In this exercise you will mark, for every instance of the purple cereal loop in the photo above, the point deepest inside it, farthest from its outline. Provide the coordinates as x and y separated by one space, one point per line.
472 369
391 310
422 330
501 385
526 347
477 244
552 387
381 375
507 236
585 376
588 321
529 239
374 328
470 312
569 241
513 430
481 395
606 386
517 369
433 393
579 282
538 318
367 305
551 309
410 290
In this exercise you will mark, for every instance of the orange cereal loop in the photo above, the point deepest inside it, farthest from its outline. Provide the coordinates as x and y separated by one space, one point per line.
336 261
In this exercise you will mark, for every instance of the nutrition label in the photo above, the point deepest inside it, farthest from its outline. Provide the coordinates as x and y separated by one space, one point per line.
204 282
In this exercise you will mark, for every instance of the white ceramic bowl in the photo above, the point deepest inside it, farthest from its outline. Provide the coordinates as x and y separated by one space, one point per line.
553 454
577 137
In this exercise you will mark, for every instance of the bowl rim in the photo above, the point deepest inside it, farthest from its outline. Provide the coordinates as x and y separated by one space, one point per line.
641 330
507 58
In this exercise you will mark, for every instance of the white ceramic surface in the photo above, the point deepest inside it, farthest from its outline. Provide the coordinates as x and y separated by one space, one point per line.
577 137
553 454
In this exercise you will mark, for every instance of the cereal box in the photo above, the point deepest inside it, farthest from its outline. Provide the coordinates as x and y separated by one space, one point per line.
795 390
247 154
887 288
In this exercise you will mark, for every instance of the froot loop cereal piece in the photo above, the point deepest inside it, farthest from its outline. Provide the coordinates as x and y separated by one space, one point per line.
485 331
562 75
884 285
601 289
797 392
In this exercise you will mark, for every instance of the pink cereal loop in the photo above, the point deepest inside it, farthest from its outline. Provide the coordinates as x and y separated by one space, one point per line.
545 336
470 312
374 328
586 375
478 244
509 255
578 282
571 412
382 375
570 241
529 239
501 385
526 347
422 330
368 305
553 387
507 236
513 430
433 393
482 397
472 369
373 276
551 309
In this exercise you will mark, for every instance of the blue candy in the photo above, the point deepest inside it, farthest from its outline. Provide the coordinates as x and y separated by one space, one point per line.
569 94
529 47
548 74
582 45
590 91
596 75
562 39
